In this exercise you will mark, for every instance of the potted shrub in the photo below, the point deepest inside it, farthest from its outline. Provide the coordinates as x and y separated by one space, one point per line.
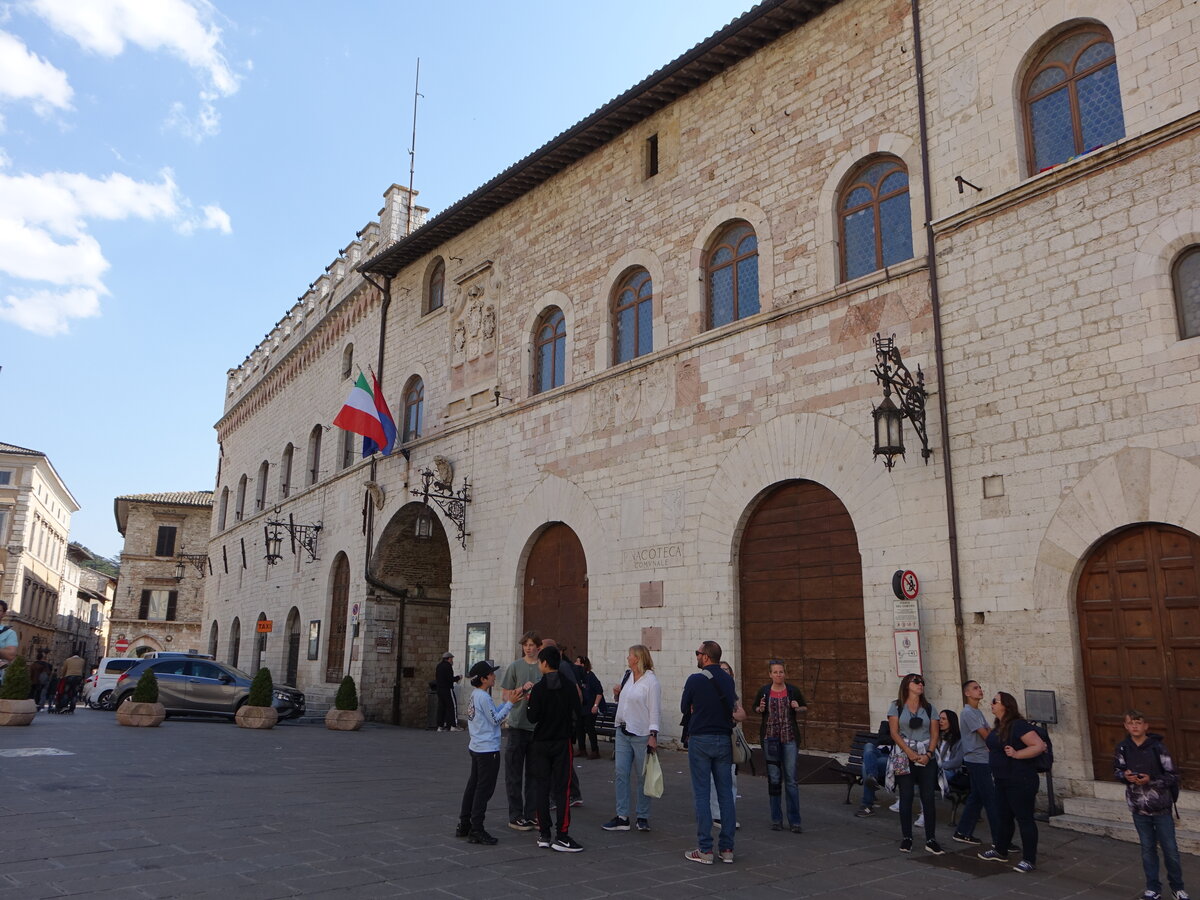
257 711
345 715
142 709
15 706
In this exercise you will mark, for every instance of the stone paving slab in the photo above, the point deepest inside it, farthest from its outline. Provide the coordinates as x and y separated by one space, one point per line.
199 809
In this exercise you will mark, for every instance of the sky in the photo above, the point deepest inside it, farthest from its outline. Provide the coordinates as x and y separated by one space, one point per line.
174 174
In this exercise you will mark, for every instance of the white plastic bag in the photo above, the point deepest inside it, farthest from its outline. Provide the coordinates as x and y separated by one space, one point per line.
652 777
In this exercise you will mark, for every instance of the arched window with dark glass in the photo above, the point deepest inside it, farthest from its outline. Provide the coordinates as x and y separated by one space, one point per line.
314 455
437 287
874 221
285 471
222 510
1072 98
1187 291
414 408
239 511
731 275
260 486
633 313
550 350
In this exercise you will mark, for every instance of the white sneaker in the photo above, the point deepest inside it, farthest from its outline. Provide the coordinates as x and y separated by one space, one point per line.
895 807
455 728
920 823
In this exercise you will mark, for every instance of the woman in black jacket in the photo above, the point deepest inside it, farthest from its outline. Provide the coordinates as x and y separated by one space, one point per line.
593 696
778 703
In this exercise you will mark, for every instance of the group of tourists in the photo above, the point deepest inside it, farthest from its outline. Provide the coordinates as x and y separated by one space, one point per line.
920 751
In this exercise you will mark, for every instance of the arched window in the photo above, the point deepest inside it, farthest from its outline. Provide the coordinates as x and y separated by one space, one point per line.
222 511
314 455
212 639
731 274
633 311
260 489
348 361
349 448
239 511
549 350
873 218
1071 98
235 641
437 287
1187 291
285 471
414 408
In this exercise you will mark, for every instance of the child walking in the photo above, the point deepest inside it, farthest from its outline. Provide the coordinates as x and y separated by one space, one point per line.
1144 766
483 721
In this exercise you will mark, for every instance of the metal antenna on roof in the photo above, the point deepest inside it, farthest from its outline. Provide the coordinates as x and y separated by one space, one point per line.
412 150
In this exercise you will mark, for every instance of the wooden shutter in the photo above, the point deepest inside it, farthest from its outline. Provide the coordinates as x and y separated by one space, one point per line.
166 541
144 608
172 599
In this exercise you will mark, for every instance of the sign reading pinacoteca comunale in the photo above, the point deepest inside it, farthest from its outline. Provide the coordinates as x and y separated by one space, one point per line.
656 556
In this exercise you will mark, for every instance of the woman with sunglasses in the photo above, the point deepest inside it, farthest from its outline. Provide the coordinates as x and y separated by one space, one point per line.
778 703
913 765
1013 748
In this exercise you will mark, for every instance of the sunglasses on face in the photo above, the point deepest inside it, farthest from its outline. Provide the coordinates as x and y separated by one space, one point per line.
918 681
700 653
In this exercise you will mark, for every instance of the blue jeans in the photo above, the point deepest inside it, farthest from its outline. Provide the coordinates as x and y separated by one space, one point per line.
874 763
1154 832
709 757
982 798
783 770
630 755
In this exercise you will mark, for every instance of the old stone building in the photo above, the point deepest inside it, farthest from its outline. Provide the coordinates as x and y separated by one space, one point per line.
83 608
641 359
35 526
160 593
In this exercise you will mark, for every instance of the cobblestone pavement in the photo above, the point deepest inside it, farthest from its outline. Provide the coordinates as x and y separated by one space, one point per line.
201 808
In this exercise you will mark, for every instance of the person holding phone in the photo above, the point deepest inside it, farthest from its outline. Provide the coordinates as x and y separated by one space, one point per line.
913 765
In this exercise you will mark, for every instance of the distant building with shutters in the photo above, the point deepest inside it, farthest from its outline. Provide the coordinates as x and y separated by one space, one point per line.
160 592
648 347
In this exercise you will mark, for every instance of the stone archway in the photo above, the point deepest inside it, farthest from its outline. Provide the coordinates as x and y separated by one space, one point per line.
1138 603
555 589
801 594
292 631
417 572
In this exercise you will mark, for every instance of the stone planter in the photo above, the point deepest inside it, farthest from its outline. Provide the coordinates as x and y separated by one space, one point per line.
141 715
344 719
17 712
257 717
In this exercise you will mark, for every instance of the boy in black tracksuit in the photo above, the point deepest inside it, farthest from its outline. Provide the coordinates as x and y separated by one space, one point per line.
553 710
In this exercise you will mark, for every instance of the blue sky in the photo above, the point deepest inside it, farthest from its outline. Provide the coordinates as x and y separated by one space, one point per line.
174 173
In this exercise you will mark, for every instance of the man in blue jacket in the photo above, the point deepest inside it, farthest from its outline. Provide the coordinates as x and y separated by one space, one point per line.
710 704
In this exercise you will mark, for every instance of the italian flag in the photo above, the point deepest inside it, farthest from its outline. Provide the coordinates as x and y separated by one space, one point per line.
366 412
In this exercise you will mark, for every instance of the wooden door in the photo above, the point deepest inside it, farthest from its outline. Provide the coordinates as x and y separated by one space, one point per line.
293 646
556 591
800 576
1138 604
335 646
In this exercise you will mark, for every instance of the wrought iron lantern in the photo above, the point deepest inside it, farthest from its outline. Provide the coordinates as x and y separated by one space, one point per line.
440 490
423 526
889 417
199 560
304 535
273 538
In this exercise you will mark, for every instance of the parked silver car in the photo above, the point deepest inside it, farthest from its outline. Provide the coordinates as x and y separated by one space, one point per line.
188 686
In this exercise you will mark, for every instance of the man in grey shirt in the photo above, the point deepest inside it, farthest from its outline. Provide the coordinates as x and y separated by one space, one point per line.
974 726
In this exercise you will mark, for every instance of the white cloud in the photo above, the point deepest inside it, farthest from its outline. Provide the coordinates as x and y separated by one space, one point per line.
49 313
182 28
44 238
26 76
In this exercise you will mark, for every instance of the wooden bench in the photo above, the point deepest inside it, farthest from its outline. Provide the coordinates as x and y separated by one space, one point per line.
851 770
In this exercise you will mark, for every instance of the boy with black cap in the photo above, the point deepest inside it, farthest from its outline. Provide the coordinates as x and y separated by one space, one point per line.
483 721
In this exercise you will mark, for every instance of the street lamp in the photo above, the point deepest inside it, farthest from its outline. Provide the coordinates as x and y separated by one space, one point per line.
891 372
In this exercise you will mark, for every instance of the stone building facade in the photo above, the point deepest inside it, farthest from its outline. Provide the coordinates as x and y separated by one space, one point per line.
648 349
35 526
164 563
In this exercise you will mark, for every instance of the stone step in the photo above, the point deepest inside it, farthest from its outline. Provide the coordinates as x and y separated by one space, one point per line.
1188 840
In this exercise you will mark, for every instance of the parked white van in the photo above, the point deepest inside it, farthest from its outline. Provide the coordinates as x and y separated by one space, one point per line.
97 688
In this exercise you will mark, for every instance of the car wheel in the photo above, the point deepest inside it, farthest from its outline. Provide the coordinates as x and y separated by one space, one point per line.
105 701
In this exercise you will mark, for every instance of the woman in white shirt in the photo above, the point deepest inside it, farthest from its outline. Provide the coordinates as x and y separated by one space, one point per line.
636 721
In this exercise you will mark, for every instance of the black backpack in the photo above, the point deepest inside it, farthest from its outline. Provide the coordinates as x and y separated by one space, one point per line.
1044 762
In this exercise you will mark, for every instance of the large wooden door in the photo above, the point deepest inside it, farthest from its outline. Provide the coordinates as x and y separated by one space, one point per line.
556 591
1139 629
800 576
335 646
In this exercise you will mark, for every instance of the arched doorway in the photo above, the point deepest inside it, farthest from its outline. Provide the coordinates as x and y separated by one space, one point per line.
1138 604
293 646
800 579
335 644
260 644
556 589
213 633
235 641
